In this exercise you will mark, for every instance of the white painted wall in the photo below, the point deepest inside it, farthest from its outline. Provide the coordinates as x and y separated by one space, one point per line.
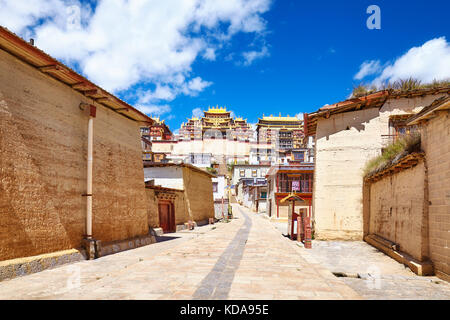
261 172
220 187
167 177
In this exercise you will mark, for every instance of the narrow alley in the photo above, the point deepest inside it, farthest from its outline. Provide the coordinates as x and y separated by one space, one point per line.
244 259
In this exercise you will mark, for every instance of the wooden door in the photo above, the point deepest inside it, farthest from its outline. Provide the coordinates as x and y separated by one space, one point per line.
166 217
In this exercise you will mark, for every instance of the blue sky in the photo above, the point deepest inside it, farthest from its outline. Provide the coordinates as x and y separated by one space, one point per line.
316 48
253 56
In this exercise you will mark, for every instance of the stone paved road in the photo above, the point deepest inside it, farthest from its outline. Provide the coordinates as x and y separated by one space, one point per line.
389 279
244 259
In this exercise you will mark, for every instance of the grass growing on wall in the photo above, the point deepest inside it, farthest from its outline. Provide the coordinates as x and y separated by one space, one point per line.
407 84
392 153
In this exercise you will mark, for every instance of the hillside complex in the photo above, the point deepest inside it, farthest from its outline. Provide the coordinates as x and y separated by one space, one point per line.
217 123
286 132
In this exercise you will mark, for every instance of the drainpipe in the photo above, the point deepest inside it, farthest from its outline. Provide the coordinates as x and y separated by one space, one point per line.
89 178
89 242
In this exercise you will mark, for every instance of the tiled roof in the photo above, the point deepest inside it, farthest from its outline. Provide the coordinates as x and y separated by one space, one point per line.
427 112
374 100
48 65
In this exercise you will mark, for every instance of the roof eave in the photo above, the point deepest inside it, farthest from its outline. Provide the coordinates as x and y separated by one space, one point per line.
48 65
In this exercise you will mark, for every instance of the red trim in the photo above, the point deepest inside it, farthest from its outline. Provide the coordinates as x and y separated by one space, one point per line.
305 124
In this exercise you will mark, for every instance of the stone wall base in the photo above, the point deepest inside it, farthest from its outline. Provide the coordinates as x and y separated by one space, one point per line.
443 275
157 232
13 268
200 223
338 235
104 249
421 268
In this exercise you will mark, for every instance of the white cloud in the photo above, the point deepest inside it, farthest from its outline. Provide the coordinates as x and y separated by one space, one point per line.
154 110
299 116
251 56
368 68
162 92
18 15
120 44
429 62
210 54
169 92
194 86
197 113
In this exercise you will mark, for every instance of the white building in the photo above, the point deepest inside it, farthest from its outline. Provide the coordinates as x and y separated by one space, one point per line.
249 172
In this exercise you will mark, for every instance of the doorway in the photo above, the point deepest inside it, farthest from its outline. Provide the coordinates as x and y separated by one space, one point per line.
166 216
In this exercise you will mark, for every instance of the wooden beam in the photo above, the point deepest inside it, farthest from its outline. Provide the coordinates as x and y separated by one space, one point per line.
79 85
103 100
91 92
50 68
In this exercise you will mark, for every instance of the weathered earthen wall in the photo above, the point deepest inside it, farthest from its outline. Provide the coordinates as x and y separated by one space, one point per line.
181 213
436 144
344 143
43 145
152 208
398 211
198 193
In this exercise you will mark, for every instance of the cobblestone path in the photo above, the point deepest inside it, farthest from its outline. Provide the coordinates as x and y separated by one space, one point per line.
371 273
244 259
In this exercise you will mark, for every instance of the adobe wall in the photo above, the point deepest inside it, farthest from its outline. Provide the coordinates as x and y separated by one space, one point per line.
43 145
152 208
398 211
340 157
344 143
436 144
181 213
198 192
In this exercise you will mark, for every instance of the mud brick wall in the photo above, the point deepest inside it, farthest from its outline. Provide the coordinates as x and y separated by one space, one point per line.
198 193
152 207
398 210
43 144
436 144
181 212
344 143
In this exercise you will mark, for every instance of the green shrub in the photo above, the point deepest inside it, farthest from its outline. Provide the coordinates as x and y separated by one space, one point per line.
403 146
362 90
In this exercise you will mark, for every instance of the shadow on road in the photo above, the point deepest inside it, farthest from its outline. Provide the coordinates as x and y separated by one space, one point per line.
217 284
165 238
